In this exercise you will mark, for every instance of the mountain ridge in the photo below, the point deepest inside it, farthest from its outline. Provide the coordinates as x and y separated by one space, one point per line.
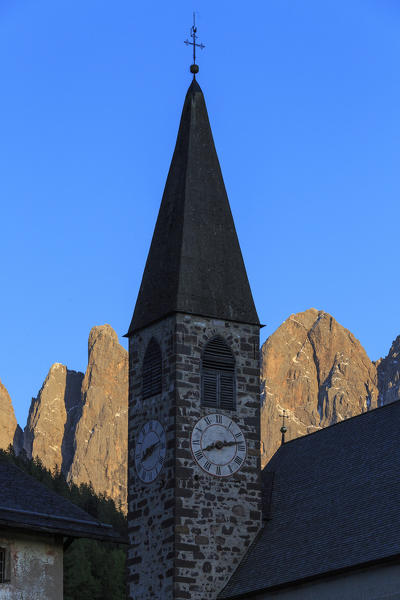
311 367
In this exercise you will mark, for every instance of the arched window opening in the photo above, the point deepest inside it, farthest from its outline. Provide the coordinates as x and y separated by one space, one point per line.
218 375
152 370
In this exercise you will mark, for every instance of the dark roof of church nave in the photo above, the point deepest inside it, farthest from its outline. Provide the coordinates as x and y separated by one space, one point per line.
335 504
28 505
195 264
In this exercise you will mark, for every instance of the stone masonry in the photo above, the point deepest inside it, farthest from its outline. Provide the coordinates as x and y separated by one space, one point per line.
188 529
151 506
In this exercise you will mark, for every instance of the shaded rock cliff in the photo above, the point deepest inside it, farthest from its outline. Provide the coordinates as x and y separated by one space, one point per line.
389 374
53 416
8 422
318 372
101 437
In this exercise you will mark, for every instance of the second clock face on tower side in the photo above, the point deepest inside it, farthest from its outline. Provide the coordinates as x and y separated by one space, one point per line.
218 445
150 451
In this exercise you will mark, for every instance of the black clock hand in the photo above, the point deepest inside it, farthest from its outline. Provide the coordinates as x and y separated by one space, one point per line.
219 445
211 447
226 444
149 450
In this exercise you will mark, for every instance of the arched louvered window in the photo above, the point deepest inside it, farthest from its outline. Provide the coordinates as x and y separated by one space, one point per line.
218 375
152 370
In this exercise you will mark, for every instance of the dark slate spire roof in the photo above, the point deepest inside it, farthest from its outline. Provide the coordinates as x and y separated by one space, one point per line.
195 264
335 505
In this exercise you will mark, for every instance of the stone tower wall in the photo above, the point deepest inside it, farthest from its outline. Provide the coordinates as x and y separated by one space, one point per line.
188 529
216 518
151 505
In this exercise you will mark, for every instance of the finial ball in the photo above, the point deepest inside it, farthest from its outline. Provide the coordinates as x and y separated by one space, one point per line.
194 69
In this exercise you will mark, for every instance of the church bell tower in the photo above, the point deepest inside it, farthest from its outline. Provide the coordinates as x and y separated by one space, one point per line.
194 409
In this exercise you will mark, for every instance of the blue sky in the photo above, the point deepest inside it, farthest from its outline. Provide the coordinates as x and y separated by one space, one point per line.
303 98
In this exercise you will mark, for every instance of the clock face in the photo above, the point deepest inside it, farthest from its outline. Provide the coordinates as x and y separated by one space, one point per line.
218 445
150 451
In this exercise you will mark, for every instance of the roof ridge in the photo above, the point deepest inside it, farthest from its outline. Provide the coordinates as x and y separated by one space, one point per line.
363 414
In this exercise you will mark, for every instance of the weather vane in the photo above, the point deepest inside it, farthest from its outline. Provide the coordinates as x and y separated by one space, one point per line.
193 30
283 428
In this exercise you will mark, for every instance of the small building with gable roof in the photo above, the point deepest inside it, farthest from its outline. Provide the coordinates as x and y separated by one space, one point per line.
36 524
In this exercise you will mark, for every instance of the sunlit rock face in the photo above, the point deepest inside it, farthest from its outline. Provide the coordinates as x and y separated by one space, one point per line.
80 422
318 372
8 422
389 374
52 418
101 437
311 366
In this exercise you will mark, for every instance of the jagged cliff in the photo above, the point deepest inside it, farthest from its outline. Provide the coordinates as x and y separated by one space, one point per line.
80 422
53 416
101 438
318 372
8 422
312 367
389 374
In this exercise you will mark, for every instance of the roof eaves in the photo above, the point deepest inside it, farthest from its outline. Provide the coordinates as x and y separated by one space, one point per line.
71 528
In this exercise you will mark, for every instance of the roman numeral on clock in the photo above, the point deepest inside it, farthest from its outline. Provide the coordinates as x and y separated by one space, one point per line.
223 438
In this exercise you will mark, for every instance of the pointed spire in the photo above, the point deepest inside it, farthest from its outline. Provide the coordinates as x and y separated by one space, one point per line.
194 264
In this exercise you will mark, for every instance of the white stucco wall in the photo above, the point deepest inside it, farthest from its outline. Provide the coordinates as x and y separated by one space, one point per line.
373 583
35 567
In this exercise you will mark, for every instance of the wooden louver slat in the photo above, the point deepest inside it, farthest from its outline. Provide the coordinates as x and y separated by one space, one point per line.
218 375
152 368
227 398
210 387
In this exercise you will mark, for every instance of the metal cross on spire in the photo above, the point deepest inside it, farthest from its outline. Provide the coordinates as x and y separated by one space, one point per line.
193 30
283 428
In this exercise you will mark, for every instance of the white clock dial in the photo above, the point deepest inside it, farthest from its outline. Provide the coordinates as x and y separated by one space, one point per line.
150 451
218 445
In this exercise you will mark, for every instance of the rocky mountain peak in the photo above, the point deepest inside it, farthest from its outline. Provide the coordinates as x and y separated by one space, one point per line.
80 422
101 435
52 418
311 366
100 333
318 372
